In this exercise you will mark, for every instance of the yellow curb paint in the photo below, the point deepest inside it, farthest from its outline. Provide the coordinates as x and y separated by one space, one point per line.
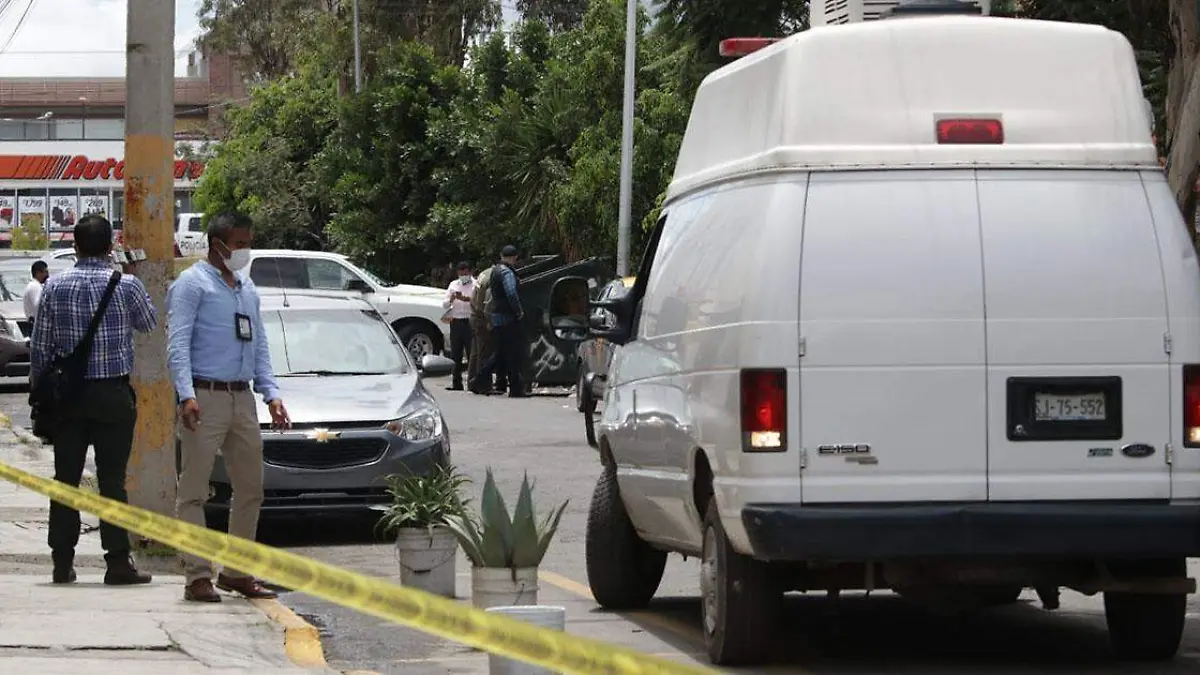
301 640
5 421
677 628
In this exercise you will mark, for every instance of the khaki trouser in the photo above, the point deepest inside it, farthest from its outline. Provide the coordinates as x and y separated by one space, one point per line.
229 422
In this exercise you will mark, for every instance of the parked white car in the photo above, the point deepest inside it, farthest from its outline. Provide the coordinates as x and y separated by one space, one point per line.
415 312
920 314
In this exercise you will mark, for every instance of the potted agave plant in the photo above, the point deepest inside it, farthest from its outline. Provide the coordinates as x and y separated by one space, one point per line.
505 551
421 508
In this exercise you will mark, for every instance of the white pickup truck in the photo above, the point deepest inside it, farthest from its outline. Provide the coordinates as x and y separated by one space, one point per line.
415 312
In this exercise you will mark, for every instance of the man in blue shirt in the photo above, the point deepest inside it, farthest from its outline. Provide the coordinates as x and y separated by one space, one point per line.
507 312
104 410
216 347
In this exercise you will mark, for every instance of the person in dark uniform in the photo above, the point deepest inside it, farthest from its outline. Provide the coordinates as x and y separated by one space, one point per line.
507 313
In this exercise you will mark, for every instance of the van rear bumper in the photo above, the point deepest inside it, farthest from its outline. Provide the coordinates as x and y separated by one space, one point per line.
792 532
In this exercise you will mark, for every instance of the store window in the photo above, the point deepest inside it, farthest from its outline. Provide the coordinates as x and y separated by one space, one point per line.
102 129
68 129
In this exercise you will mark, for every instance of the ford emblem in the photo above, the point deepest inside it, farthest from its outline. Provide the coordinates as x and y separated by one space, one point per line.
1137 450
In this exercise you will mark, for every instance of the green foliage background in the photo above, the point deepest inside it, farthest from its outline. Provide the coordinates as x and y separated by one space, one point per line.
465 138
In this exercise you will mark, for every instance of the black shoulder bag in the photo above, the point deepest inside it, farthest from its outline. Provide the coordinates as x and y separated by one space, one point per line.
61 383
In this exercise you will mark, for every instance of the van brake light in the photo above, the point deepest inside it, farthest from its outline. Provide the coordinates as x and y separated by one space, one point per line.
970 132
1191 406
764 410
743 46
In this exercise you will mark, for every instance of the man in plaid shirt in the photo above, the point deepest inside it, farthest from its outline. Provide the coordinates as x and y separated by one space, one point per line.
105 413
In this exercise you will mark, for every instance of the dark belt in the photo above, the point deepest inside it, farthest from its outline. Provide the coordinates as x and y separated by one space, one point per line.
214 385
120 379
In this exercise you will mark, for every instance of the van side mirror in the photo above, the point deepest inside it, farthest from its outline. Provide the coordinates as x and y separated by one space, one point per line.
358 285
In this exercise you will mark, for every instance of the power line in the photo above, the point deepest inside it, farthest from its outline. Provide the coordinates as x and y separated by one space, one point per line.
20 25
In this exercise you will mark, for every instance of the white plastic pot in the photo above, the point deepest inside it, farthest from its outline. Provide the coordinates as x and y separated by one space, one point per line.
554 618
503 587
427 559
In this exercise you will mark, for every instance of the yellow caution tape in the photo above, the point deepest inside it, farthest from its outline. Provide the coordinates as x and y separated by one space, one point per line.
424 611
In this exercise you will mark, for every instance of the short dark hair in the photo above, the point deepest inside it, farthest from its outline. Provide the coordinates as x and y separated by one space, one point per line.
93 236
39 266
223 224
464 265
509 251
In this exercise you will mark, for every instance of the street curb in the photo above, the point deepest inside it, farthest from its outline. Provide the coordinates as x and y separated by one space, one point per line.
301 640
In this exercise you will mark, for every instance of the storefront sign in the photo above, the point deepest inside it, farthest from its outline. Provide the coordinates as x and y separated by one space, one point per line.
80 167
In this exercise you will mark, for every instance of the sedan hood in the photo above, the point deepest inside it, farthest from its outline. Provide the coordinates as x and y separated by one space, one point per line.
346 400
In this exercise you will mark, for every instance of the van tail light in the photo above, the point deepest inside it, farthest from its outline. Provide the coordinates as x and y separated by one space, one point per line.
970 132
1191 406
764 410
734 47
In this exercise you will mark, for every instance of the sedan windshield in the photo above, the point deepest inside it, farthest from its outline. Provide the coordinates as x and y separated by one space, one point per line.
333 342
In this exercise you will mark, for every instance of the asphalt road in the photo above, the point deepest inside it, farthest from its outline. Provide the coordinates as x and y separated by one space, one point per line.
544 436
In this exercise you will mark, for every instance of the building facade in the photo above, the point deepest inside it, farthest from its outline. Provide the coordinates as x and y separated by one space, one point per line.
62 144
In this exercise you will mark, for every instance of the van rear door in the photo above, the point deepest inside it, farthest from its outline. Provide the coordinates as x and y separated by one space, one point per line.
1078 382
892 380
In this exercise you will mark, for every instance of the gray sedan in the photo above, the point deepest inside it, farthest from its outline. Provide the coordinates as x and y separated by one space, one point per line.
358 406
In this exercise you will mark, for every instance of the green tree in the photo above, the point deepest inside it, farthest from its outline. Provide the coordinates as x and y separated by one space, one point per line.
264 165
379 165
266 37
559 15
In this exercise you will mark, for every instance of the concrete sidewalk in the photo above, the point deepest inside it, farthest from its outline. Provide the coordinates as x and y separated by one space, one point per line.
87 628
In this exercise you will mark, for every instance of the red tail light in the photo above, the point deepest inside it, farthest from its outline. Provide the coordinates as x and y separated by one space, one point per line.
970 132
742 46
1191 406
764 410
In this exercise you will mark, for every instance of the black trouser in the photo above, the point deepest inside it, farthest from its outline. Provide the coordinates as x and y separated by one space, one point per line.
460 347
509 358
103 417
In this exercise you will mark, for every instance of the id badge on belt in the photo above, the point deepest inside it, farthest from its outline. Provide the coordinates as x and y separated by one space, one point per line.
243 327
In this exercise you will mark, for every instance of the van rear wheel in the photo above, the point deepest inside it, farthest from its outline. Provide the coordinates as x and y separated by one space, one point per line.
1144 626
623 570
1147 626
739 599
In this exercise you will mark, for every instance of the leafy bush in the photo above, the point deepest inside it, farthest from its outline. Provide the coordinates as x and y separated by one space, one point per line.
424 501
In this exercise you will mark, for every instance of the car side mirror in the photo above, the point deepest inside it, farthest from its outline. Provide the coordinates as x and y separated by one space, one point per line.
569 307
433 365
359 285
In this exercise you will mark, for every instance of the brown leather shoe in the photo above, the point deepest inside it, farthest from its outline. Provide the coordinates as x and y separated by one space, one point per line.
247 586
201 590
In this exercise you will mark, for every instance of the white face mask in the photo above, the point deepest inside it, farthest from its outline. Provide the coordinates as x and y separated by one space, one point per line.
465 279
237 259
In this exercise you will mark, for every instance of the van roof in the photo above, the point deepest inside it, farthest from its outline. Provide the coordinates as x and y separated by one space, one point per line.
868 95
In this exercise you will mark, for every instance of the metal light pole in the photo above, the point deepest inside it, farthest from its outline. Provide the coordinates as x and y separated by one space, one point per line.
357 53
626 216
149 205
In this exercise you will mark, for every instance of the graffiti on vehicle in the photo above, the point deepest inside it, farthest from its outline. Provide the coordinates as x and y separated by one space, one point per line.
546 358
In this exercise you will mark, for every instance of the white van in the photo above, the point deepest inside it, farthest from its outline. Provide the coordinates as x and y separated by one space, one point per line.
920 314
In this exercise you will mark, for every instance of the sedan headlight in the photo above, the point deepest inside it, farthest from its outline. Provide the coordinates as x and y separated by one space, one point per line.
422 425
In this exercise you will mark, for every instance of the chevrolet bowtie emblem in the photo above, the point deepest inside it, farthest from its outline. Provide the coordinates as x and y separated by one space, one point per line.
322 435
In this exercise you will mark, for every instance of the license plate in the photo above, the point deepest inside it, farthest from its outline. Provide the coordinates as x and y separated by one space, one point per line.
1069 407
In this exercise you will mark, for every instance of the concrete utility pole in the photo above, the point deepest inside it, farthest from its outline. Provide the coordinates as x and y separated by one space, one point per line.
149 211
626 217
